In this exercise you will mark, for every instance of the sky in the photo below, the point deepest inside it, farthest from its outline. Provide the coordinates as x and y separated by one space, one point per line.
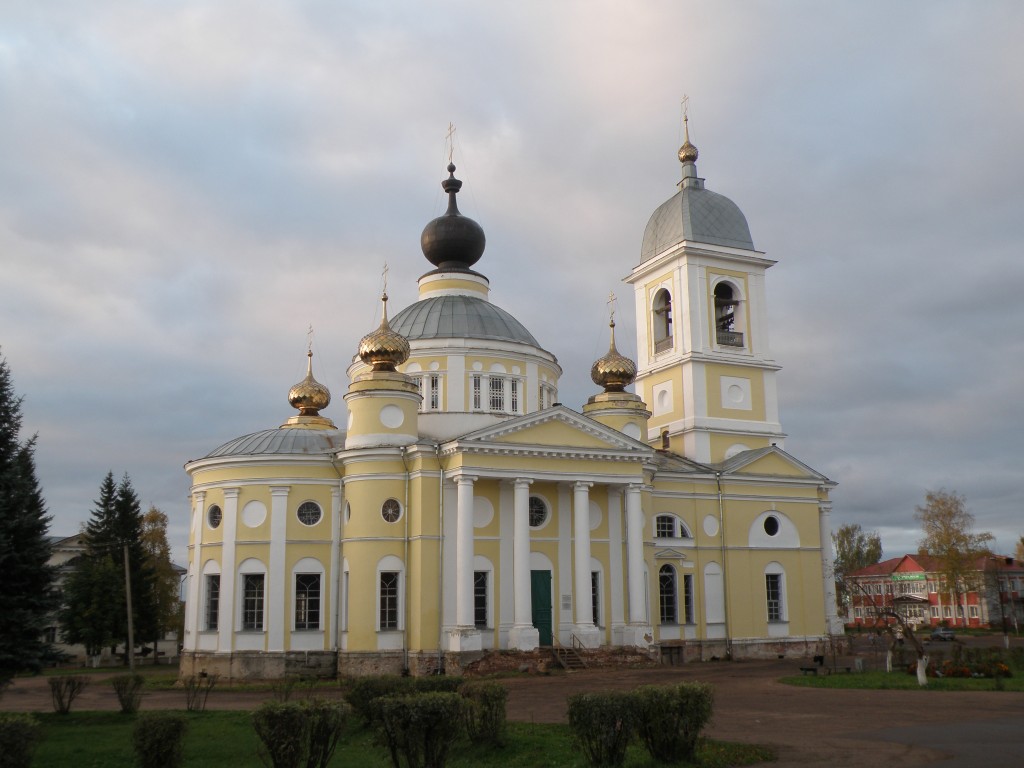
186 187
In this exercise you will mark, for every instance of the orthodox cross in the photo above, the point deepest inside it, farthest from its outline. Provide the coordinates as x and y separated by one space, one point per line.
449 139
611 306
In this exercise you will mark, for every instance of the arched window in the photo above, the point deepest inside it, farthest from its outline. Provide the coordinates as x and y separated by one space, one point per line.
670 527
667 594
727 316
775 592
661 322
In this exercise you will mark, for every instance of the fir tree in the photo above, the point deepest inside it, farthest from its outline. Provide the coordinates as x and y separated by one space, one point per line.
27 598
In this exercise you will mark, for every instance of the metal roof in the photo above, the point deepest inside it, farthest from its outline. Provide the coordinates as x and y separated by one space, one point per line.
459 317
697 215
284 441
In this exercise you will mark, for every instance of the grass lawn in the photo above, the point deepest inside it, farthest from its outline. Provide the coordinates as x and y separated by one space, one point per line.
215 739
903 681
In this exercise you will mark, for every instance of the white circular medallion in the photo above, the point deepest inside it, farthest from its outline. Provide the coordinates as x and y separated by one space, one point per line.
483 512
391 416
632 429
711 525
735 392
254 513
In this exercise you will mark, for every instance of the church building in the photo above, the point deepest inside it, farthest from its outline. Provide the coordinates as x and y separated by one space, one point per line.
463 508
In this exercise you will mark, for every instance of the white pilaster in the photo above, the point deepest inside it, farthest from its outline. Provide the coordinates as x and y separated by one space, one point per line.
226 618
832 623
523 636
639 632
193 611
334 579
615 572
277 580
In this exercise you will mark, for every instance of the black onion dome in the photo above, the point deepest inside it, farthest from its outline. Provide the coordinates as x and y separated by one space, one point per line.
453 241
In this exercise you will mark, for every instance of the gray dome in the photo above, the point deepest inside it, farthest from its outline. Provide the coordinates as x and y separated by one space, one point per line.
284 441
698 215
459 317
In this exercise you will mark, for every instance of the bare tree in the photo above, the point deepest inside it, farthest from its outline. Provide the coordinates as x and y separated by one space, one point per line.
949 536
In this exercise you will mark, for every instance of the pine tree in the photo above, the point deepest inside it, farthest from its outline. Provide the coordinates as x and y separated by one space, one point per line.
27 598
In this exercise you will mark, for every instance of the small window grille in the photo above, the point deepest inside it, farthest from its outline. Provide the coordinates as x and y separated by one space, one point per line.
538 512
309 513
307 601
389 600
496 388
480 598
391 510
513 391
476 394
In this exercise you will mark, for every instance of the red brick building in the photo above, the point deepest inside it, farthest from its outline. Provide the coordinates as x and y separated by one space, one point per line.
912 586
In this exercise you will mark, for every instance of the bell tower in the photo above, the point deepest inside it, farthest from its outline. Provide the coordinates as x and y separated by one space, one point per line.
705 368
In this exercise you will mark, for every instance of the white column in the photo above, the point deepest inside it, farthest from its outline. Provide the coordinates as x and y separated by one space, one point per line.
639 631
226 617
583 627
523 636
464 552
277 579
464 636
193 610
832 623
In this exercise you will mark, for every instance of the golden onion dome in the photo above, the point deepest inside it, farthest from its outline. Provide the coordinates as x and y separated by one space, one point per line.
687 152
383 349
309 396
614 372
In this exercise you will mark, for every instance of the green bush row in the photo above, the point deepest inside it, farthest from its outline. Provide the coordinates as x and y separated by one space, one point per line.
300 734
668 721
364 693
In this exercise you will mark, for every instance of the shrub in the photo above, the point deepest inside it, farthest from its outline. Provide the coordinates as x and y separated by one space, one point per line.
603 724
64 690
159 740
420 729
299 734
281 728
365 693
671 718
197 691
326 722
485 712
19 735
129 692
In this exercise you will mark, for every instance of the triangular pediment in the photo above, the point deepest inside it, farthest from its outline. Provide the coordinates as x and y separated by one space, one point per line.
771 462
557 427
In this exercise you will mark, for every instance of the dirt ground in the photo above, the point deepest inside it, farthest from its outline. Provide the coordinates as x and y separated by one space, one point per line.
808 727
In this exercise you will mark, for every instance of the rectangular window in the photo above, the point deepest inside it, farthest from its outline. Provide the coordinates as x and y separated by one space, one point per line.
688 612
480 599
934 611
388 600
435 392
972 611
252 601
773 591
476 394
307 601
496 388
665 527
513 394
947 612
858 613
595 597
667 595
212 600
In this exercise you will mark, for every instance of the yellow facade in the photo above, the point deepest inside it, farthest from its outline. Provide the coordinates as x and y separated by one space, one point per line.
460 510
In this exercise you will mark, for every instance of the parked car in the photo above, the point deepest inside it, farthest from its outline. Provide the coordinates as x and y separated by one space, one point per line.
943 633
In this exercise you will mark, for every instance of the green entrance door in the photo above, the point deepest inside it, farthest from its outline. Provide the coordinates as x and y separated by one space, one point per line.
540 599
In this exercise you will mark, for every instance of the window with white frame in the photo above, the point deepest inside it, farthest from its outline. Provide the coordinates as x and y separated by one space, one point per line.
477 386
546 395
667 595
661 320
688 608
211 610
430 390
972 611
728 328
388 600
496 394
670 527
934 610
513 395
947 612
858 613
775 592
252 601
307 601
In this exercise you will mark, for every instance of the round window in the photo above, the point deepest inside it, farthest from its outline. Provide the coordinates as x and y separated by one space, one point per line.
538 512
309 513
771 525
391 510
214 516
348 511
